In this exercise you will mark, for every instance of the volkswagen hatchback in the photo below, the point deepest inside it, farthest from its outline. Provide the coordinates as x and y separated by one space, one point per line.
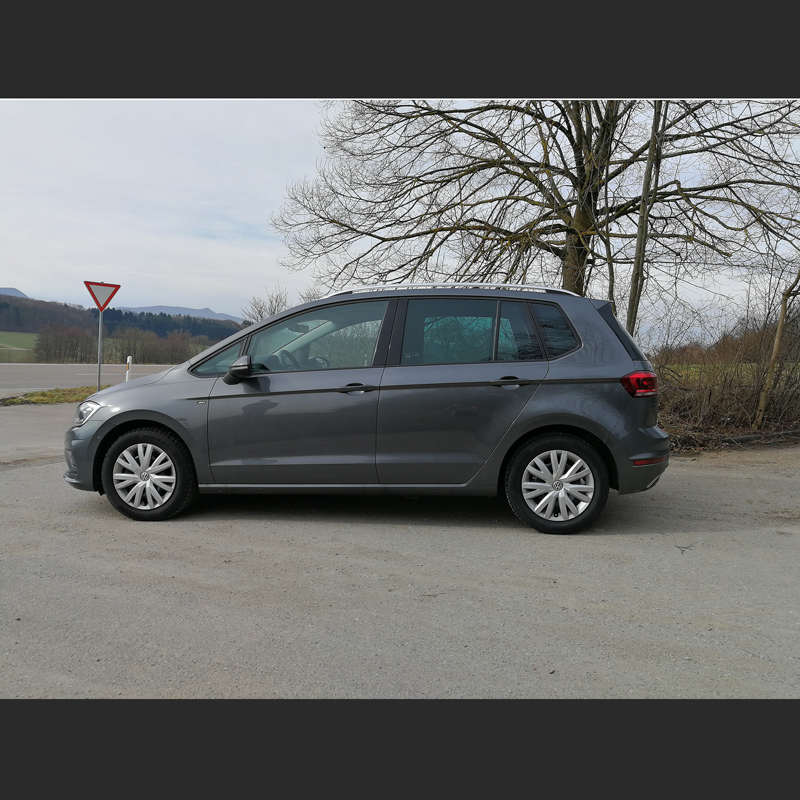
448 389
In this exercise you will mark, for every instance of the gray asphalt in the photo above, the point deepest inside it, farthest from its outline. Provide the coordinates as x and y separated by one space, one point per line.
687 591
16 379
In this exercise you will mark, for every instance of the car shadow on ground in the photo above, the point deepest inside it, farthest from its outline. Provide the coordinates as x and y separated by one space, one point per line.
350 509
418 511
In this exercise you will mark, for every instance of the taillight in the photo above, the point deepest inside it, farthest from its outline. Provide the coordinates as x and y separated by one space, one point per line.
640 384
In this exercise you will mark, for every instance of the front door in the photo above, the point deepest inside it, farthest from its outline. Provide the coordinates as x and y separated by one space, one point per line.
308 414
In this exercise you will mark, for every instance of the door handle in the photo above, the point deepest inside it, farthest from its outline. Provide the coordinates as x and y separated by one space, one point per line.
356 388
509 380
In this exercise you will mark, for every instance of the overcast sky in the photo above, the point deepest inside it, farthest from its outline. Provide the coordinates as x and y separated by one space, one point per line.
168 198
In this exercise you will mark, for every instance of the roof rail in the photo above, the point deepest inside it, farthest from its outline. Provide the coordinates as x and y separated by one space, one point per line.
520 287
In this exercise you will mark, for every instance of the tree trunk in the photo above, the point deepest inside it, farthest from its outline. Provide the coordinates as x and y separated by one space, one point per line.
769 378
576 252
637 278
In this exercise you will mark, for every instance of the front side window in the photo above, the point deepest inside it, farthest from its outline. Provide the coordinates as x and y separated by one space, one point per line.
218 364
335 337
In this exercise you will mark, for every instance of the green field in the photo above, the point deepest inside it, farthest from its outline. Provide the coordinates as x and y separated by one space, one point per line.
16 348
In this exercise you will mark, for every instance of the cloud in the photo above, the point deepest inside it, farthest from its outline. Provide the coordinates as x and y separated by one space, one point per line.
168 198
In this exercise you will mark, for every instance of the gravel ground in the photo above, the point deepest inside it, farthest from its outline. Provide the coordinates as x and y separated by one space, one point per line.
687 591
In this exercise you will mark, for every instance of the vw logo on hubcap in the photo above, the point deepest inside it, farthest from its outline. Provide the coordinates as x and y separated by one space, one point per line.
558 486
144 476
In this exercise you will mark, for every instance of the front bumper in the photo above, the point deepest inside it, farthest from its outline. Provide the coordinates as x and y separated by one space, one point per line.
79 450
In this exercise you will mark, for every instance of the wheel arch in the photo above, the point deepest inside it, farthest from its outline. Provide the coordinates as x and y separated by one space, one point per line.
563 428
124 426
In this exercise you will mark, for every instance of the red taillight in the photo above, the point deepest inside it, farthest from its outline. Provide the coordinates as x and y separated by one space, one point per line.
640 384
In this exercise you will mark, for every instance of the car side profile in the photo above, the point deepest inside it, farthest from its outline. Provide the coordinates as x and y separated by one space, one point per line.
471 389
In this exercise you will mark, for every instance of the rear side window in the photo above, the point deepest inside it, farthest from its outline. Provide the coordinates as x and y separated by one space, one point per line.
559 338
449 331
517 339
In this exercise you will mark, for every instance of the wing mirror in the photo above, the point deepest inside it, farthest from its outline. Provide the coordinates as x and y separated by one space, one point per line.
240 369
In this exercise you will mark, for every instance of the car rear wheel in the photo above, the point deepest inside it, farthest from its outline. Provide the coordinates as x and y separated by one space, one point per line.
557 483
148 474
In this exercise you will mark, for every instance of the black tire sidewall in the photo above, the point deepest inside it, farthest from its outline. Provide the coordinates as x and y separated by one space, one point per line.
185 479
530 450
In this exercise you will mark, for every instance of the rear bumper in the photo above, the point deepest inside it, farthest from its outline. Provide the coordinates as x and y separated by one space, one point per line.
642 470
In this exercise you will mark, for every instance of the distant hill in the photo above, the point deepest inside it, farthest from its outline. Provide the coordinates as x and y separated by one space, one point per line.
172 311
176 311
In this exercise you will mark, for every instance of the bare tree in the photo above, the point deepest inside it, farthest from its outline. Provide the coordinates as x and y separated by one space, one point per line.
312 293
276 299
60 344
528 191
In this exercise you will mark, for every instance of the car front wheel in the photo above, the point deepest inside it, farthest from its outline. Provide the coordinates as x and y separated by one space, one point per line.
557 483
148 474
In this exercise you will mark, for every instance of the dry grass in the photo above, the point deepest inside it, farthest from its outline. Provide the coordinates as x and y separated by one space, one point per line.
52 396
708 405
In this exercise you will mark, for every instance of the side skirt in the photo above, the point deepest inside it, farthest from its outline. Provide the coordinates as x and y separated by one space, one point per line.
375 489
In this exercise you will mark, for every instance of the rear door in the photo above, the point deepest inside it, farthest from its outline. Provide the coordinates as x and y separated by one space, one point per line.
460 371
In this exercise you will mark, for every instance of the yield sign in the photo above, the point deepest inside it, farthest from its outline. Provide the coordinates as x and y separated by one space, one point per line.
101 292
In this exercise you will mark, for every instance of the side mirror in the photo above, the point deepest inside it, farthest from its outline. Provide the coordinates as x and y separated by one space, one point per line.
240 369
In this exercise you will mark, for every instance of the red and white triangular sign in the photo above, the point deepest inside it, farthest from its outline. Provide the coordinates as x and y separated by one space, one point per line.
101 292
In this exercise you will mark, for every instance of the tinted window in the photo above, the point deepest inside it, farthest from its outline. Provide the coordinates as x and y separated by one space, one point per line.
517 339
449 331
558 336
328 338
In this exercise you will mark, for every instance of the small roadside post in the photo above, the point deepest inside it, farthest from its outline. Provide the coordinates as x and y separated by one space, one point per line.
101 294
127 369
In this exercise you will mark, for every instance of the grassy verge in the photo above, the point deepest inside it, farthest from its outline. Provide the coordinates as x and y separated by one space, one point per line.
52 396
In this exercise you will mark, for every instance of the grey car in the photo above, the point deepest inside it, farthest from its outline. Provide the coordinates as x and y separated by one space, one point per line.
448 389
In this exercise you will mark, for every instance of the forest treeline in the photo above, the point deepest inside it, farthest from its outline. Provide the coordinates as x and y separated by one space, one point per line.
24 315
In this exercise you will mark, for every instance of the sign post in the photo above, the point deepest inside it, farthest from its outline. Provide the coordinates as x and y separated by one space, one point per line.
101 294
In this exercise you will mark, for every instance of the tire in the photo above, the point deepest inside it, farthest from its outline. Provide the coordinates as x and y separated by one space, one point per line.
557 483
148 474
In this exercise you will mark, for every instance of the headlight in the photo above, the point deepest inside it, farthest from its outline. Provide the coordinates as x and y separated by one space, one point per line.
85 410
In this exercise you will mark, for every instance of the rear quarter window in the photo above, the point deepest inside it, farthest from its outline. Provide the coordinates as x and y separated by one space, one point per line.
558 336
628 342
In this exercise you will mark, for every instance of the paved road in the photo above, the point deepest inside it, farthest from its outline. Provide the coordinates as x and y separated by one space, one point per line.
687 591
16 379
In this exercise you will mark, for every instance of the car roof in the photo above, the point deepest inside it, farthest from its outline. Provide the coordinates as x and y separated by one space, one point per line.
449 286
